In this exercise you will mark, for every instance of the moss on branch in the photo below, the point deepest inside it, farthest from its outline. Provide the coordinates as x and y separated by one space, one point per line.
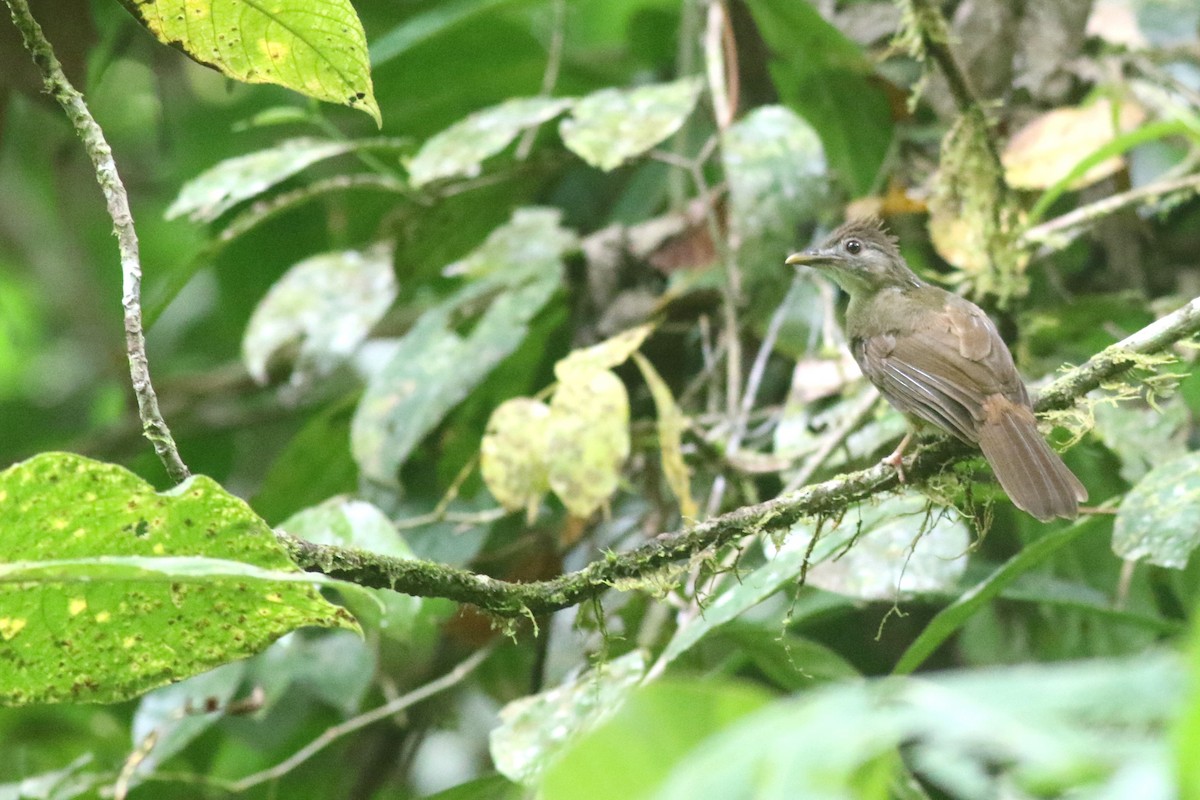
830 498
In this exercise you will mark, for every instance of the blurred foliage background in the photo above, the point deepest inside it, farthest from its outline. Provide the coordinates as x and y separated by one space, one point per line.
440 277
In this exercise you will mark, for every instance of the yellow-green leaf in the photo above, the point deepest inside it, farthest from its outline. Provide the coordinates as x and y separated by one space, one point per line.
514 452
670 437
109 588
610 353
315 48
588 438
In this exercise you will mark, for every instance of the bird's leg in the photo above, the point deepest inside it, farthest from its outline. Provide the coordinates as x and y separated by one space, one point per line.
895 459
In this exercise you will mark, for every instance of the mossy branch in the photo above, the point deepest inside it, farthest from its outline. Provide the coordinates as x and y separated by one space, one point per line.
830 498
154 427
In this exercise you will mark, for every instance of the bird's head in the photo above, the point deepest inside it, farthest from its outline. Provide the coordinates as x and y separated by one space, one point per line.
860 256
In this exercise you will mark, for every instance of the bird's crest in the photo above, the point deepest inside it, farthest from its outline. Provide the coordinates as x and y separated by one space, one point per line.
871 231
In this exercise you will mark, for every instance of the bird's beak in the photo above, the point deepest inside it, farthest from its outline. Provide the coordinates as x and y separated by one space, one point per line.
806 258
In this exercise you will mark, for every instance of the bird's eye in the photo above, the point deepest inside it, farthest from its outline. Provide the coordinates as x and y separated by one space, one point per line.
853 246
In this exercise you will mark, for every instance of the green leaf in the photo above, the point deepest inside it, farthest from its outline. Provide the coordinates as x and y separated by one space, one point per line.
954 616
108 589
514 452
492 787
317 49
424 26
1143 437
327 303
1187 727
611 126
535 730
220 188
901 549
674 715
776 170
161 712
336 667
826 78
783 568
1086 728
1159 519
587 438
459 151
433 368
63 784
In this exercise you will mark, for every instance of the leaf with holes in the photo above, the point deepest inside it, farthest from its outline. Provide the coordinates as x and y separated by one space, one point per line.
108 588
315 48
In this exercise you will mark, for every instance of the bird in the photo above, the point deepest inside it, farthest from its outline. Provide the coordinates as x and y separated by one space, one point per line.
938 359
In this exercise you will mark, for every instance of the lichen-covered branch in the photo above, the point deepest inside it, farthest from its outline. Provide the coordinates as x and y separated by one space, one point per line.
154 427
505 598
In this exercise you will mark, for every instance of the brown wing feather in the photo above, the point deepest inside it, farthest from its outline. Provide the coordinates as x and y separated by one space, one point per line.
943 371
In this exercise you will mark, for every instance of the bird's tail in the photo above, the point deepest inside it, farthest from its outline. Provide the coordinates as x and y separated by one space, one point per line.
1035 478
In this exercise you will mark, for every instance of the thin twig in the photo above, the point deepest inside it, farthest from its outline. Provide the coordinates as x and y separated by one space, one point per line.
450 679
823 499
716 51
854 416
550 76
1063 230
754 379
154 427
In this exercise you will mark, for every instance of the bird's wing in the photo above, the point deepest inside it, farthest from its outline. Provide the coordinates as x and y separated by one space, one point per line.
943 370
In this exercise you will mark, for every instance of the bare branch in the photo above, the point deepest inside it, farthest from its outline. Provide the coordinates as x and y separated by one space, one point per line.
154 427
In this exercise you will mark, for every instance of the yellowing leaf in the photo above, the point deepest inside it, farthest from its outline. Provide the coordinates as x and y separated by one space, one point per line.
588 439
670 437
514 452
317 49
1046 150
608 354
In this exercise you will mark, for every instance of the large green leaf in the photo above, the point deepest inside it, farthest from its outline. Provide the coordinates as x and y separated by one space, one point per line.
315 47
327 303
221 187
675 715
534 731
515 272
1084 729
461 149
1159 520
826 78
108 589
777 180
611 126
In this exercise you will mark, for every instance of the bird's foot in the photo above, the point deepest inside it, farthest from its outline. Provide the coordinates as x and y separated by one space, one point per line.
895 459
